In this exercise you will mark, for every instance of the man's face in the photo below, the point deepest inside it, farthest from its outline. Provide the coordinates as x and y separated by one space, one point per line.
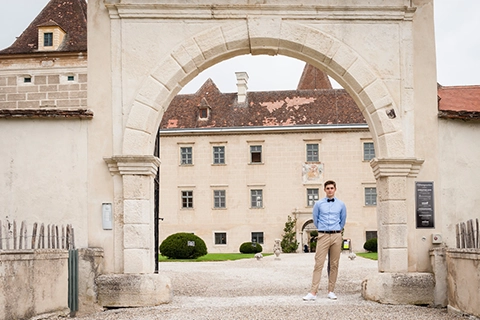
330 190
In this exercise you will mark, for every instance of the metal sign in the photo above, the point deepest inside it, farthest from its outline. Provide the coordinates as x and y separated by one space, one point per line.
424 212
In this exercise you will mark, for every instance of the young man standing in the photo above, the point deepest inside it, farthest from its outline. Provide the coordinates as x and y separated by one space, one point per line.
329 217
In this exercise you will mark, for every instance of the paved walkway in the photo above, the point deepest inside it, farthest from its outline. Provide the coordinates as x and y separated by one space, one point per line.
268 289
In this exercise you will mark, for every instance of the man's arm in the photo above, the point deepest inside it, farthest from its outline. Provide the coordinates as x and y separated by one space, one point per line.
343 217
315 214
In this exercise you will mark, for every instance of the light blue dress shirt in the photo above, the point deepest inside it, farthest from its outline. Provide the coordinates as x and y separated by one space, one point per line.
329 216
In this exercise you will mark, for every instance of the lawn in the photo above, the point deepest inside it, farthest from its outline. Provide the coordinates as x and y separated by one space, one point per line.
215 257
368 255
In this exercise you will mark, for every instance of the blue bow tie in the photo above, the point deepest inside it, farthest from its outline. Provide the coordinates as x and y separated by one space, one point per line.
330 200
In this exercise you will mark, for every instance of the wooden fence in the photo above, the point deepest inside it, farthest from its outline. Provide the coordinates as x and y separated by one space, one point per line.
467 234
50 237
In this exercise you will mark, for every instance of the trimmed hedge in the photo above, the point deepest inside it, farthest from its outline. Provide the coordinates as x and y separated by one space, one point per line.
179 246
250 247
371 245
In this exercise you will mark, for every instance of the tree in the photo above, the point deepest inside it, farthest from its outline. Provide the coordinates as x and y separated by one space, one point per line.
289 241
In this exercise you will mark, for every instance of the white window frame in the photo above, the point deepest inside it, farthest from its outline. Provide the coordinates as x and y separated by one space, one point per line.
367 156
218 196
312 198
310 154
256 198
370 198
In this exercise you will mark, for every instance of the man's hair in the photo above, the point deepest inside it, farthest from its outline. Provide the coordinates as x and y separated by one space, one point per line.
329 182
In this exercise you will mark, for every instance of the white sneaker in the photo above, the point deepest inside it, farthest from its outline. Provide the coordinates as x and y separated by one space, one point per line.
309 297
332 296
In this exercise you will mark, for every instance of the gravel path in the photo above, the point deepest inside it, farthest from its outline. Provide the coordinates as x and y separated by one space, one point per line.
268 289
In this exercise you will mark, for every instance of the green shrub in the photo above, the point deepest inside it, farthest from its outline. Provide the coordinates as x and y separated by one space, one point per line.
314 233
371 245
183 246
250 247
289 242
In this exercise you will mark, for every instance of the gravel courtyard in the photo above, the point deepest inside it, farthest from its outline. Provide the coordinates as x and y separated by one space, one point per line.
268 289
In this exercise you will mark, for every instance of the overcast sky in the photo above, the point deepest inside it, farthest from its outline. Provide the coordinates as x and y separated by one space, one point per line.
457 32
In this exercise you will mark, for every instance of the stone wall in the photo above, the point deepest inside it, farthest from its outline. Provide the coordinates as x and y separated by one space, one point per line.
463 279
26 91
35 282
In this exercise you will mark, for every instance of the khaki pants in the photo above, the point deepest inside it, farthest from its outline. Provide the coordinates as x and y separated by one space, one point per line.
327 243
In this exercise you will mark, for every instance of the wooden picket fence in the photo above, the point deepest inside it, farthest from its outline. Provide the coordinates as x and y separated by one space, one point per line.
468 234
50 237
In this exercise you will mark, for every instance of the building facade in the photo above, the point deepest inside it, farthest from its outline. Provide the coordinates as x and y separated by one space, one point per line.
234 166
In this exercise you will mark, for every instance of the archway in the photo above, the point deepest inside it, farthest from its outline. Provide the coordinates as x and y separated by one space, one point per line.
387 114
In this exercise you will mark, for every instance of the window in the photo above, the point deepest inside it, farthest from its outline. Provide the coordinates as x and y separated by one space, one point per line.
187 199
48 39
256 197
370 196
204 113
186 154
256 154
257 237
370 235
219 199
70 78
220 238
368 151
312 152
312 197
218 155
27 80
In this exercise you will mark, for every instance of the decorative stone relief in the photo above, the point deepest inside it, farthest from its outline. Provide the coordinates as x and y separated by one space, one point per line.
311 172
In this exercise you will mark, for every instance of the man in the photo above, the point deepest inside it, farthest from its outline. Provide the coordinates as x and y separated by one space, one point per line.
329 217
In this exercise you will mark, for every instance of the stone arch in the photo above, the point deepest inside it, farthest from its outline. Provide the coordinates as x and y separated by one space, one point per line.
271 36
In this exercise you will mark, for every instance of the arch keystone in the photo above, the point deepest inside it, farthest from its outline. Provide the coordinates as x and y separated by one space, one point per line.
264 34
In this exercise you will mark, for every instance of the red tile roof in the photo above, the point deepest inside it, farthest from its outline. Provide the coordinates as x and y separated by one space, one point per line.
312 78
70 15
461 102
272 108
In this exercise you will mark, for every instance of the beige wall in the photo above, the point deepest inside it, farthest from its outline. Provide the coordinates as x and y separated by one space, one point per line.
458 160
33 282
44 168
279 176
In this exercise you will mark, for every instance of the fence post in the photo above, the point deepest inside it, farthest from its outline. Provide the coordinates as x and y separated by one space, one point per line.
73 281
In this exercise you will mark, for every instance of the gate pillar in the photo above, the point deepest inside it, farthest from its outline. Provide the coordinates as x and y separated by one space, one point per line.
137 174
138 285
396 284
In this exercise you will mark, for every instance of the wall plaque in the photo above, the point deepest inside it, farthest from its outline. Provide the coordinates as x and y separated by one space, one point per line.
425 215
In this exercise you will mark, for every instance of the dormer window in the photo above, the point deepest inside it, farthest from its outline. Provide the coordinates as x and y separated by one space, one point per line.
50 36
48 39
203 110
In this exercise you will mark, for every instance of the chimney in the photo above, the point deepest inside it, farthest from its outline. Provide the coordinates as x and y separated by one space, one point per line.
242 79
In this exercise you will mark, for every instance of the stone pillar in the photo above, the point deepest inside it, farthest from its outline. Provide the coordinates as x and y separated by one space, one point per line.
137 174
138 286
394 284
392 212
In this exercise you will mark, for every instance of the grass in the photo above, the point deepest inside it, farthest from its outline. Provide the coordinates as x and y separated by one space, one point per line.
368 255
215 257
